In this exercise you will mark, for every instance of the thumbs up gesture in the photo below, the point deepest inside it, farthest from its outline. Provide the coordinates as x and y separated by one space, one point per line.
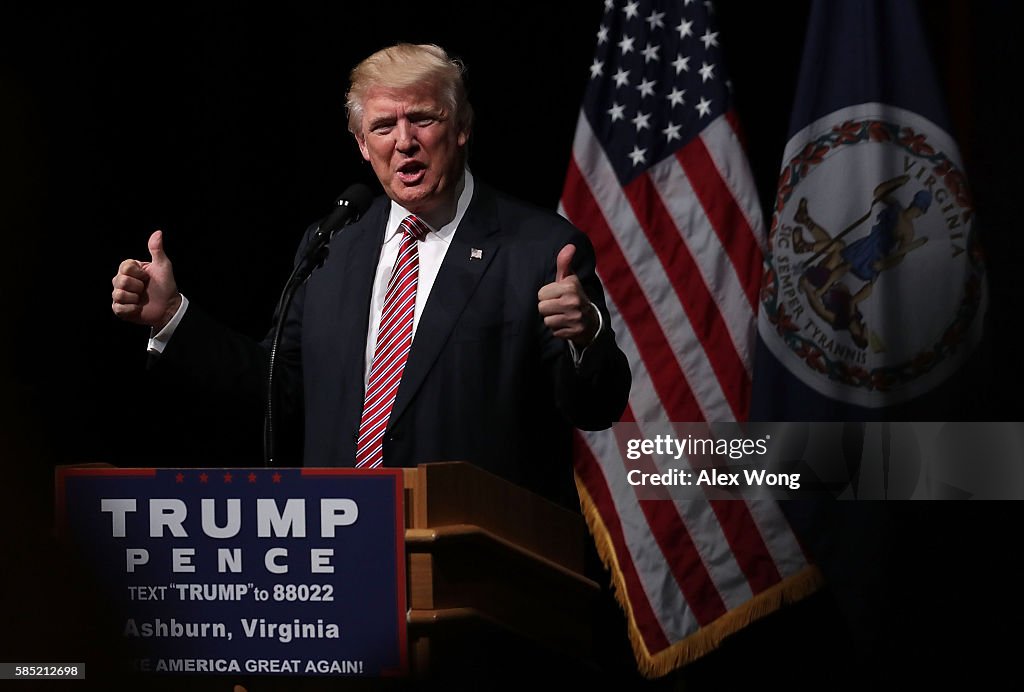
564 305
145 292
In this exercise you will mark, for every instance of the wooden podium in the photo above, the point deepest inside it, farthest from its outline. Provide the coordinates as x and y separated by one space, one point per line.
495 575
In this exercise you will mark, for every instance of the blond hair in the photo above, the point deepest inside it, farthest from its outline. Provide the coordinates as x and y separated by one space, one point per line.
406 65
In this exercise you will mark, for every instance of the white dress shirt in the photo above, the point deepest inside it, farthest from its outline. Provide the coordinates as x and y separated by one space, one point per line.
432 250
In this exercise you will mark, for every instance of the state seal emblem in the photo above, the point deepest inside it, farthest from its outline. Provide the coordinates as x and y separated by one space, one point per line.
875 286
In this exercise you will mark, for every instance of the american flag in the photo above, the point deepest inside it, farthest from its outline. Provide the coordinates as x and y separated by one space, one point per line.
660 183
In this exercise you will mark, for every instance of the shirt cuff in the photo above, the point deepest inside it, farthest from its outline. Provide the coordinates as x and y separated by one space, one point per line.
577 353
158 341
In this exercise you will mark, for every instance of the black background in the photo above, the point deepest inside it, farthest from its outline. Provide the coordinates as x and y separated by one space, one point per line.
224 126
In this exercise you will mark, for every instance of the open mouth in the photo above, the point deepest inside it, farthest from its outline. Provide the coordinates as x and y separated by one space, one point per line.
411 172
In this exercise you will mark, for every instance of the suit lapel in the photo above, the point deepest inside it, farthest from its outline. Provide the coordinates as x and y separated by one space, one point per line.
472 249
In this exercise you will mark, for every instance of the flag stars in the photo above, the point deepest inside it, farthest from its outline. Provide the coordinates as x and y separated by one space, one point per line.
228 477
669 122
638 155
672 132
654 20
641 121
710 38
704 107
276 478
252 477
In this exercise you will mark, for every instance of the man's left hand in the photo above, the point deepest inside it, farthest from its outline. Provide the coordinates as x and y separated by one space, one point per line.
564 305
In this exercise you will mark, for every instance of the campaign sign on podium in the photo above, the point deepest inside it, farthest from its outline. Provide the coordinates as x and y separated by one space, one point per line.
262 571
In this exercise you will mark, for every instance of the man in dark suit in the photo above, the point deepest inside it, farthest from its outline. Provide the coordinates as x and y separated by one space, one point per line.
450 322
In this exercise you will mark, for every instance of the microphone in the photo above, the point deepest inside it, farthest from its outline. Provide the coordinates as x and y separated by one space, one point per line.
349 206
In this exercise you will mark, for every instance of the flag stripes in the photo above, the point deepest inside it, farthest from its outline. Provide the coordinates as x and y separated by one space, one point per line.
659 182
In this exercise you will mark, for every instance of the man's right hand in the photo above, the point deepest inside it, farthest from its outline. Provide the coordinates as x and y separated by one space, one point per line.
145 292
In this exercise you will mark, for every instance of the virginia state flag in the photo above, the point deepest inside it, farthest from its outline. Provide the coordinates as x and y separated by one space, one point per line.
874 290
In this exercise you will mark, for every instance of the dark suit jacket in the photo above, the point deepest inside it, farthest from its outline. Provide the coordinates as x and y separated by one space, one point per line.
486 381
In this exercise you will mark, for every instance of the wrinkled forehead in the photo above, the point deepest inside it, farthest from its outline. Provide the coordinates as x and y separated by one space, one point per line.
419 98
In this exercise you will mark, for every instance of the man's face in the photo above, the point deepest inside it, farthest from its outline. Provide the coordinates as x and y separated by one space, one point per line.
414 145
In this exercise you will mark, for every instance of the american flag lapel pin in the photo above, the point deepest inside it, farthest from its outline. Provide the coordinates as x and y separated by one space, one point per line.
476 254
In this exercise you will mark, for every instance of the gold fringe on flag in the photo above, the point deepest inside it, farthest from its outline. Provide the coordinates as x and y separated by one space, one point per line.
707 638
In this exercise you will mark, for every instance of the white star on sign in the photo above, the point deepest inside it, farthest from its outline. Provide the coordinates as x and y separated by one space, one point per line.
704 107
621 77
630 9
672 132
709 38
641 121
681 64
705 71
609 4
650 53
626 45
602 35
655 20
637 155
675 97
596 68
684 29
646 88
616 111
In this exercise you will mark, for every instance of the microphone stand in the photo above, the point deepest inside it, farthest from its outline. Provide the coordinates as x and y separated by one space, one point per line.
348 208
300 273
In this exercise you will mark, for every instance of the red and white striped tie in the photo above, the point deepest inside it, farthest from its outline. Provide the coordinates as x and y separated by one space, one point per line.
394 340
